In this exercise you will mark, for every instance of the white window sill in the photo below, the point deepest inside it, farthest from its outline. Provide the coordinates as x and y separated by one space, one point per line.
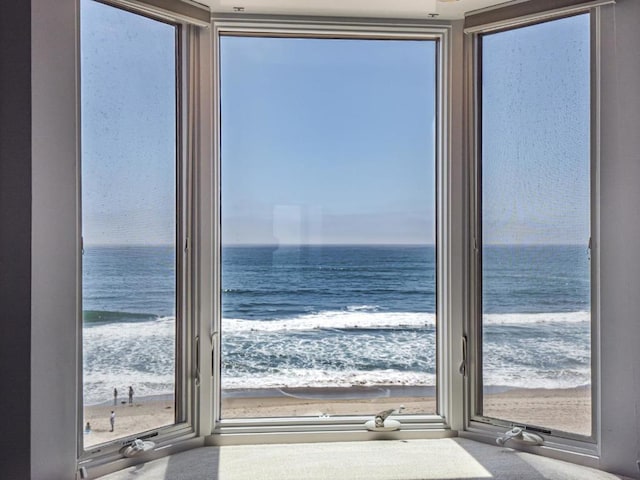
447 458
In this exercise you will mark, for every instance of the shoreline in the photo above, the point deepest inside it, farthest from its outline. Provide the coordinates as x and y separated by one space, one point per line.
353 392
566 409
124 400
370 391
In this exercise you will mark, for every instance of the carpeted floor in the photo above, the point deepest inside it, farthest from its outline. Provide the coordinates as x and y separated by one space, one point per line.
454 458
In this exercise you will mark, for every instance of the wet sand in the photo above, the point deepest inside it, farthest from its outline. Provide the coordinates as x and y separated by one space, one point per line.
562 409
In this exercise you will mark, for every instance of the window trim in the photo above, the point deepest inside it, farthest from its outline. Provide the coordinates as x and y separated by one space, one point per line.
342 427
184 12
202 145
506 17
99 455
568 446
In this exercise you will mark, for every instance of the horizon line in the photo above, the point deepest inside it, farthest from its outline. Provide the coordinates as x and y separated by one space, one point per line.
341 244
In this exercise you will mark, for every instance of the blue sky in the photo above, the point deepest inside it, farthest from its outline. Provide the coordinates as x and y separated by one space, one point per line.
332 141
128 127
327 141
536 134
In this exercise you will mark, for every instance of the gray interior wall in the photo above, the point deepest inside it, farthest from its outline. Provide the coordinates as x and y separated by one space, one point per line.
15 236
54 241
620 238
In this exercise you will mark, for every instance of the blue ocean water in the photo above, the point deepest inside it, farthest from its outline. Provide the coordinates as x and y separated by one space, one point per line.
536 316
129 321
296 316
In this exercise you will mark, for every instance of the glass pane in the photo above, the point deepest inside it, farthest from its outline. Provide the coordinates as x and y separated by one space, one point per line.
535 225
328 226
129 216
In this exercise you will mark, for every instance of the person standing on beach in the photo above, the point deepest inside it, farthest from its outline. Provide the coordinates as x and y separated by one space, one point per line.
130 394
112 420
115 396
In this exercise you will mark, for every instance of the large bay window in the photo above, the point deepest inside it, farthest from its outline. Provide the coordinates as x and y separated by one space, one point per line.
277 238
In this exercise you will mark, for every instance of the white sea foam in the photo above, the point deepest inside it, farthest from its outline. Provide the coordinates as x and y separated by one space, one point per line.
370 317
363 308
302 377
142 353
299 378
522 377
352 317
530 318
116 355
99 385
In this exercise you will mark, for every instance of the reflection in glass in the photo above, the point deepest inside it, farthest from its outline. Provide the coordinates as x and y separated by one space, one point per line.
128 216
535 225
328 226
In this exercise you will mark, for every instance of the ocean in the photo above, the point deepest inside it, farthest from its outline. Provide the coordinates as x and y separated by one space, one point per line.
331 316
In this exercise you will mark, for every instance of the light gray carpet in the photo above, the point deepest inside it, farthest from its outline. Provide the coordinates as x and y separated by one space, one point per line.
454 458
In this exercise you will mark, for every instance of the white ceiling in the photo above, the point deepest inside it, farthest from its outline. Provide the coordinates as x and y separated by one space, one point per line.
442 9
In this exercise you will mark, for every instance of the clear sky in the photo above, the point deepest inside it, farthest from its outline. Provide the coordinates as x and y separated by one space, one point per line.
332 141
327 141
128 127
535 141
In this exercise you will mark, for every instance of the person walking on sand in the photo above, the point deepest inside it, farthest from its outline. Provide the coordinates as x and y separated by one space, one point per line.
112 420
130 394
115 396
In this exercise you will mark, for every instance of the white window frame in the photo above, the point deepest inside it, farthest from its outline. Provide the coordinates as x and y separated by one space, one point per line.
107 457
572 447
339 428
456 209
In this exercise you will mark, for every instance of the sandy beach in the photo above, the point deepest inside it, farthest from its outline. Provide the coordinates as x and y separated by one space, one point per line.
566 409
563 409
145 413
316 402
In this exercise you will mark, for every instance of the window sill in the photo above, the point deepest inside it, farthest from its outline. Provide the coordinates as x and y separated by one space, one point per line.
580 453
334 433
392 460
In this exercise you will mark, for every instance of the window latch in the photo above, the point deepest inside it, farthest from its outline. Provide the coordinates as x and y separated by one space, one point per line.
213 346
137 447
518 434
381 422
197 373
463 365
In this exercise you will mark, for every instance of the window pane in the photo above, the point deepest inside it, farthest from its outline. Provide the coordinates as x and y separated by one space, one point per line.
129 216
536 225
328 226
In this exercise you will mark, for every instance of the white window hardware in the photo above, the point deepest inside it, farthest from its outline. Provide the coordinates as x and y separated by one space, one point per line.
381 422
137 447
517 434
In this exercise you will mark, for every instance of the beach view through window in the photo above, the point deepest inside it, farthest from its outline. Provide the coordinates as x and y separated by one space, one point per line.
536 307
328 226
128 72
